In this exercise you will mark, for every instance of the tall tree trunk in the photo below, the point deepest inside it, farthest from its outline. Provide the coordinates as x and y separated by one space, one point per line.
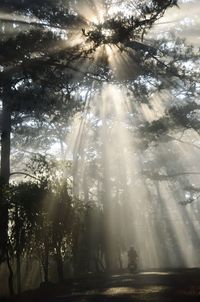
18 260
4 177
59 263
10 277
18 249
5 142
46 261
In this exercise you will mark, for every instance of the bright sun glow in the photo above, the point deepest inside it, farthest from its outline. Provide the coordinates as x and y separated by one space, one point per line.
107 32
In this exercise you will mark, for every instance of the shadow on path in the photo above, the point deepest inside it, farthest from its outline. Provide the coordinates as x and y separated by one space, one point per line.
158 286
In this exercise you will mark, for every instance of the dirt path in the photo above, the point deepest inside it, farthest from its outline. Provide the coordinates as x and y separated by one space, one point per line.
159 286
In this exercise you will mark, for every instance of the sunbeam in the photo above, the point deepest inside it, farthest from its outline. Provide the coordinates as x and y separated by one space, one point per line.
106 159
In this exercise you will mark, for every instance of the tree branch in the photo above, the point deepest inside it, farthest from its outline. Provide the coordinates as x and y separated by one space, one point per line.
23 173
165 177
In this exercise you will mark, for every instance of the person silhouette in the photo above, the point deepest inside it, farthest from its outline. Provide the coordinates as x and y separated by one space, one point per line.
132 259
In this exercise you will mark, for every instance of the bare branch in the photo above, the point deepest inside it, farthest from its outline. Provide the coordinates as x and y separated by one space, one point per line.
23 173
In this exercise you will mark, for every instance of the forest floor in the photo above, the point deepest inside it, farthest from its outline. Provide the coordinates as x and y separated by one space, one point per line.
155 286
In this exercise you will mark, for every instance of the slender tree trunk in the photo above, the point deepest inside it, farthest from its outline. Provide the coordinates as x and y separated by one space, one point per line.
59 263
10 278
5 142
18 260
46 272
4 181
18 252
46 263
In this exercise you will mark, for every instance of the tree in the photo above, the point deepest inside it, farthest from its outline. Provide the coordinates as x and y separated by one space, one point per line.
32 76
15 108
24 202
